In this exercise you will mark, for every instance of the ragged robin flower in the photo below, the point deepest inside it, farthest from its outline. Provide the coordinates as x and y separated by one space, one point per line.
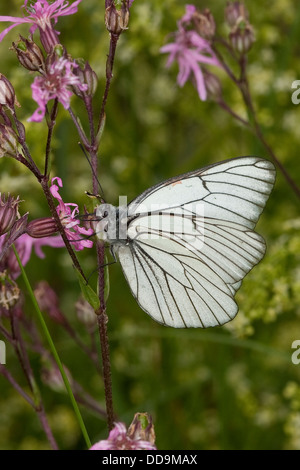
56 82
191 51
68 215
24 246
42 15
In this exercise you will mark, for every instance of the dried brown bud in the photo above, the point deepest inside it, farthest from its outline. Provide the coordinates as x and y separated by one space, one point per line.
205 23
43 227
29 54
9 291
116 20
142 428
8 212
234 12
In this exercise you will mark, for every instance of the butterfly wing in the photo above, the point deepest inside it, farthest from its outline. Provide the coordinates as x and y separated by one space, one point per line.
191 241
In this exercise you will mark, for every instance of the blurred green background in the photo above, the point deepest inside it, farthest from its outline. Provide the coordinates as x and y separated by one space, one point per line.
233 387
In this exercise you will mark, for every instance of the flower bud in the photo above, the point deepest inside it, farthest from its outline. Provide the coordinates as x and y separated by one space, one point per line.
205 23
8 212
116 20
43 227
87 77
48 36
242 37
7 93
29 54
53 57
48 302
212 85
235 11
142 428
51 376
8 141
86 314
9 291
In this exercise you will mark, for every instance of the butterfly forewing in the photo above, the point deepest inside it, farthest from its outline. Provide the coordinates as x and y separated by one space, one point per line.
190 241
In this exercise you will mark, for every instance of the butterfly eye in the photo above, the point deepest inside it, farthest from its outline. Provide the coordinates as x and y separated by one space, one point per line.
105 214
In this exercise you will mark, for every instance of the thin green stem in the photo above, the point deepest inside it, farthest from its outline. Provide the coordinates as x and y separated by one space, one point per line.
54 352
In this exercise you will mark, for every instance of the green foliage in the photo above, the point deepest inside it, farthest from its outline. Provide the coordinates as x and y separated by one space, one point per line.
229 388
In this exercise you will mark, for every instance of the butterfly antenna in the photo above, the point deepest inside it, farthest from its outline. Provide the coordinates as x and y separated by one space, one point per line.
93 171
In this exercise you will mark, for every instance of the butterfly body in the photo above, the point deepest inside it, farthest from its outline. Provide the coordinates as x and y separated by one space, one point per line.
186 244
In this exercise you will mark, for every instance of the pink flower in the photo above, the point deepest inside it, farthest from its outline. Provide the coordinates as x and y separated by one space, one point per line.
24 245
190 10
69 218
119 440
40 15
190 50
53 84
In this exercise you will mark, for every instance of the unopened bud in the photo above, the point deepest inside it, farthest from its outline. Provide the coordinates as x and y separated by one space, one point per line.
242 37
142 428
8 141
48 36
7 93
29 54
48 302
205 23
87 77
53 57
43 227
212 85
8 212
234 12
116 20
9 291
51 376
86 314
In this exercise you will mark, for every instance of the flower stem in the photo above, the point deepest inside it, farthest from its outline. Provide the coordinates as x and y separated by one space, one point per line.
109 74
51 125
102 324
243 85
15 385
54 352
225 106
80 131
245 91
37 403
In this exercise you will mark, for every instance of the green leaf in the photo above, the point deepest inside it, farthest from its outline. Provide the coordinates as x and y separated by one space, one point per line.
88 293
106 278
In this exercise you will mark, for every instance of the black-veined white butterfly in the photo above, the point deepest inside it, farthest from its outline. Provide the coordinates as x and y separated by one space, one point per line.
186 244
